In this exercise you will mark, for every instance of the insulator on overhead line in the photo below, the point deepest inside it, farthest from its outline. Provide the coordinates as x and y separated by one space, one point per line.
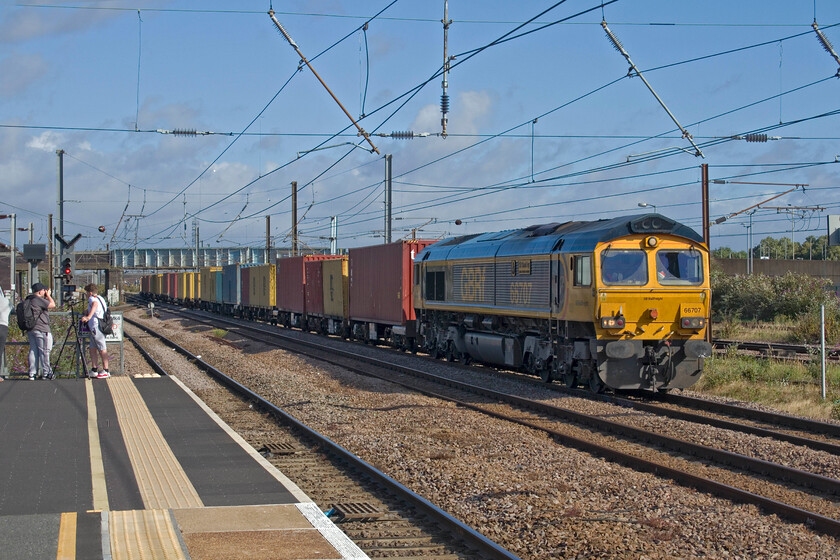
184 132
613 39
826 44
756 138
403 134
444 103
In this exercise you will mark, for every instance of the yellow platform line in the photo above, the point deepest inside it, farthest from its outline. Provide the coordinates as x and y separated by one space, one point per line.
97 469
147 534
67 537
162 481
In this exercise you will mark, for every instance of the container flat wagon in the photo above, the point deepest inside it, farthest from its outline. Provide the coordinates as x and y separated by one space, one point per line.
258 285
210 286
380 291
291 289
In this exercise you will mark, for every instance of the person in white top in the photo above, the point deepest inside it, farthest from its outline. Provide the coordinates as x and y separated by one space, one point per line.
96 310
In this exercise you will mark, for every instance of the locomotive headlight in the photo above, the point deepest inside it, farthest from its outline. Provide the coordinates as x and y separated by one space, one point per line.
654 313
652 241
694 323
612 322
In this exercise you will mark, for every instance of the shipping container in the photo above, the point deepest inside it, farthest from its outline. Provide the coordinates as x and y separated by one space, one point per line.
262 289
157 284
208 276
291 282
171 290
314 288
230 284
244 285
380 281
185 285
145 283
334 287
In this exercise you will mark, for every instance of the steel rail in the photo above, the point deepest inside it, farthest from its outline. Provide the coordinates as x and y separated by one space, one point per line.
485 546
813 520
814 426
815 444
148 357
807 349
736 460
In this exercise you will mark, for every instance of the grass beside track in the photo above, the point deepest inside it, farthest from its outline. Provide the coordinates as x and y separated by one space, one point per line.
784 385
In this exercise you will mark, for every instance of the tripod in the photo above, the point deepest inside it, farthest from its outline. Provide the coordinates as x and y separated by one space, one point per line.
73 329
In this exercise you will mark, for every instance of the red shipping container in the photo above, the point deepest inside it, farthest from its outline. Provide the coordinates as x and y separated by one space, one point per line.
172 284
381 281
314 288
291 282
244 284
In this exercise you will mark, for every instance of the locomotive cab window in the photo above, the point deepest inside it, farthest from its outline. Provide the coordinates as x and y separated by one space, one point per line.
624 267
582 265
675 267
435 286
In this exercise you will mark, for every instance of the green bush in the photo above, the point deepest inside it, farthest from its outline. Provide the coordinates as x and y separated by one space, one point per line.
807 326
765 298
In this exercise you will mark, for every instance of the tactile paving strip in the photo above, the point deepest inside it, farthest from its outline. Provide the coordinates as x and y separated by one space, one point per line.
144 534
160 477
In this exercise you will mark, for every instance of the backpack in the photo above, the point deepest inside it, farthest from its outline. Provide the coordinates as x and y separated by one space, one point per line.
25 314
106 323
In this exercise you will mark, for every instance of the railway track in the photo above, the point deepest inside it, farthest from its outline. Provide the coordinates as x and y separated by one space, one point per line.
779 349
383 517
774 487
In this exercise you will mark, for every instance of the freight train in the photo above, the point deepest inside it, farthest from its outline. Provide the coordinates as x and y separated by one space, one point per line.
621 303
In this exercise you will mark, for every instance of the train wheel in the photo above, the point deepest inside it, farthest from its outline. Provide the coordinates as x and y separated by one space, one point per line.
595 383
570 378
451 353
545 375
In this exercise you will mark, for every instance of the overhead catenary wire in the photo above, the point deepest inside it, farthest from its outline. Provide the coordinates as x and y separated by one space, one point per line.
410 94
620 48
378 14
292 43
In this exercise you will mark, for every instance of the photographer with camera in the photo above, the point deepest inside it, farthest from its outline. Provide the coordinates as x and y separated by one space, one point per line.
40 301
98 348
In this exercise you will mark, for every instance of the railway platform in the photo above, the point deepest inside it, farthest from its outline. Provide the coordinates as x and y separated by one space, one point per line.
141 468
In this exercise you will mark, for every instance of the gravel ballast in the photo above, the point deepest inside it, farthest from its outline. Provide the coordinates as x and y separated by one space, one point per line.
513 484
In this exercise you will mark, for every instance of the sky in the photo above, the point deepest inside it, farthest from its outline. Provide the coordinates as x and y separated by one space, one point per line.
547 121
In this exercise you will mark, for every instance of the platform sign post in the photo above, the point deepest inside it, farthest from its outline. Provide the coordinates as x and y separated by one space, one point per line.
117 336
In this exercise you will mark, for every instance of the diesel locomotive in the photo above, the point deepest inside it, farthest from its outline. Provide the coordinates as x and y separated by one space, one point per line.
620 303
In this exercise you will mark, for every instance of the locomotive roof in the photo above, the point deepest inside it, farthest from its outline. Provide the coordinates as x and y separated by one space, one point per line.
547 238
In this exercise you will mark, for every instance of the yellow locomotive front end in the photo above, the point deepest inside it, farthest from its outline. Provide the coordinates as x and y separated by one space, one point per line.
651 310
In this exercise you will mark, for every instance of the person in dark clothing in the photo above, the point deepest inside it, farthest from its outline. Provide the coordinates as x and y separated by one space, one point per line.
39 336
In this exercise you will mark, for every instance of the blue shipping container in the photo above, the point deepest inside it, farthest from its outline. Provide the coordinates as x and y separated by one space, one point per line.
230 284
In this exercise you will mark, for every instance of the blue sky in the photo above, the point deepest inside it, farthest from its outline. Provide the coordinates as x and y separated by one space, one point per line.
98 79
